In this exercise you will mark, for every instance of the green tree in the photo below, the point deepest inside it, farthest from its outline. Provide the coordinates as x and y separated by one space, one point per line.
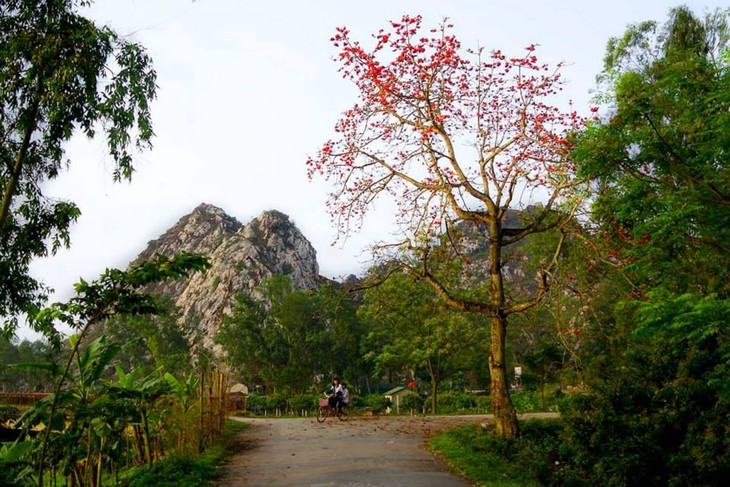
655 411
9 355
412 330
660 158
280 342
343 332
301 334
60 74
150 342
292 339
24 365
658 412
243 336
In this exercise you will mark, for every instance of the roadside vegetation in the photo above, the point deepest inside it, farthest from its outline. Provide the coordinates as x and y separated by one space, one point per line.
535 458
188 471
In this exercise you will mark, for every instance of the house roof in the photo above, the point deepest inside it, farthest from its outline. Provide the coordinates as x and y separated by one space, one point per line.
394 391
238 388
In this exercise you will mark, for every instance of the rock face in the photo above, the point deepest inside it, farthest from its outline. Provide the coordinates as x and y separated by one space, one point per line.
242 256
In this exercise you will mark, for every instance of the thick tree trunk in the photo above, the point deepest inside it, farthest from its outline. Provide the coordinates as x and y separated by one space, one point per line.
505 416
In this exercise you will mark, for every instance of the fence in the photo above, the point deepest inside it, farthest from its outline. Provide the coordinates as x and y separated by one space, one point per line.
22 398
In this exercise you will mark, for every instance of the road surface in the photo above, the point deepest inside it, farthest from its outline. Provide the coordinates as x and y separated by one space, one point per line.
362 452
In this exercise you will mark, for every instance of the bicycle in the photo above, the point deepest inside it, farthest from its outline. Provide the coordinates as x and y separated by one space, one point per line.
325 411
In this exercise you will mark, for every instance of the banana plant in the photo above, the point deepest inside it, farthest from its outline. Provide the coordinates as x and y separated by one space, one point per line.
186 393
16 466
115 292
142 393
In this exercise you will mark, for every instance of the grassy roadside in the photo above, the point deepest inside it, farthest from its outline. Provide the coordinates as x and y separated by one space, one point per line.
476 454
188 472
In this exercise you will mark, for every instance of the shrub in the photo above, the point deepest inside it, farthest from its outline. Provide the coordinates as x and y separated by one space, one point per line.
531 459
257 403
187 471
275 401
483 403
357 401
377 402
658 414
411 402
454 401
526 401
173 472
303 402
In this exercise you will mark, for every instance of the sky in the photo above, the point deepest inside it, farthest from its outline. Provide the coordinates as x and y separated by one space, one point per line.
248 89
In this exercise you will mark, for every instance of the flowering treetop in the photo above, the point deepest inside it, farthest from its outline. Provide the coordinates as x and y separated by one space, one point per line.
449 133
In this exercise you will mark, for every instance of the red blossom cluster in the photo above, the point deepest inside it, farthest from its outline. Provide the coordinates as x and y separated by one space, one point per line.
437 125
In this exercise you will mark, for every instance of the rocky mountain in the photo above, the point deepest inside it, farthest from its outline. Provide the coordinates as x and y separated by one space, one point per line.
241 256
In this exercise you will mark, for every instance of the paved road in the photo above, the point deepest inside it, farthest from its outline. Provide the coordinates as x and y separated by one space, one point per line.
362 452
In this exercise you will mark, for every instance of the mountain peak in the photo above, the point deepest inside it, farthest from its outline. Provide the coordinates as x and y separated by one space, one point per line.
242 256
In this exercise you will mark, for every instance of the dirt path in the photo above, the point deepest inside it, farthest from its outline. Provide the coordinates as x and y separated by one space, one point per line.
362 452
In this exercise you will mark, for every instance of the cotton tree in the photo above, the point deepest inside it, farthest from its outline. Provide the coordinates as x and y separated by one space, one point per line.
453 135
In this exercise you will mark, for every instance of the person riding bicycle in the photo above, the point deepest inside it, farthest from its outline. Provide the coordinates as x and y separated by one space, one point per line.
335 394
345 399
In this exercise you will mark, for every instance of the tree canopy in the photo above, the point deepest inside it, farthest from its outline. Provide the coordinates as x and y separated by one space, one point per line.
660 157
658 385
413 331
61 74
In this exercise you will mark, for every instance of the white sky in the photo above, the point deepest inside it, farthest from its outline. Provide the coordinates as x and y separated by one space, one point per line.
248 89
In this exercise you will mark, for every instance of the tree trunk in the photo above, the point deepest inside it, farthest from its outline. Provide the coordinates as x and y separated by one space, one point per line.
146 438
20 157
434 391
505 416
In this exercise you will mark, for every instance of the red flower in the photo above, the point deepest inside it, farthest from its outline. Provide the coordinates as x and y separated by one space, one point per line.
411 384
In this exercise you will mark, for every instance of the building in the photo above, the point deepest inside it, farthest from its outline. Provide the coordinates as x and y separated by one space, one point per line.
395 395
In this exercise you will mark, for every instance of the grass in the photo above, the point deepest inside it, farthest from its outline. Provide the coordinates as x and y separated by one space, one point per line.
476 453
188 472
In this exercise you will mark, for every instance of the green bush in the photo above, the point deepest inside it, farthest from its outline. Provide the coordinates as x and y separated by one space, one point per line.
304 402
454 402
659 412
535 458
174 472
357 402
257 403
526 401
275 401
377 402
483 403
187 471
411 402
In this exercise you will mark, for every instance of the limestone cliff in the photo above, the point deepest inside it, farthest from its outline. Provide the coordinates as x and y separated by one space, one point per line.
241 256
